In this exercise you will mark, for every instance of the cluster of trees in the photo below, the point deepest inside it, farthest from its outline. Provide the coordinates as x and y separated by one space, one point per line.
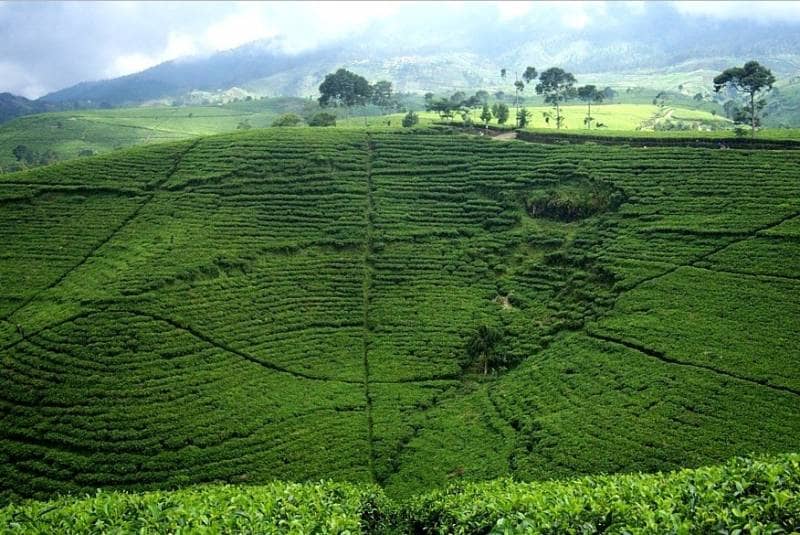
322 118
555 84
457 104
27 156
347 89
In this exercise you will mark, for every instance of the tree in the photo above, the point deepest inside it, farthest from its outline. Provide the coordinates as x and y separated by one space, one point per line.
503 73
410 119
49 156
442 106
481 346
457 98
589 94
382 96
519 87
661 99
344 88
557 86
322 118
482 97
753 79
609 93
529 75
288 119
523 117
24 154
244 125
486 115
500 110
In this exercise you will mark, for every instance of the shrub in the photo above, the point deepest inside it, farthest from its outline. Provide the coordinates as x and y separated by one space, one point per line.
288 119
322 118
410 119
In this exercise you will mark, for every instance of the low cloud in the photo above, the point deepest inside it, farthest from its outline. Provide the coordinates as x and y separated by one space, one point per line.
45 46
763 11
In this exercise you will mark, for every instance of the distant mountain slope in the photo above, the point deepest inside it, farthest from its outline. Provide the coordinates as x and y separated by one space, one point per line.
465 50
219 71
14 106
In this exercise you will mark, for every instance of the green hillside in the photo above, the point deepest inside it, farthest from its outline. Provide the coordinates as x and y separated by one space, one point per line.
67 135
77 133
627 117
296 304
741 496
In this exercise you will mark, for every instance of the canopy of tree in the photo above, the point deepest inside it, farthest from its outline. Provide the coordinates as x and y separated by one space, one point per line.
751 79
287 119
344 88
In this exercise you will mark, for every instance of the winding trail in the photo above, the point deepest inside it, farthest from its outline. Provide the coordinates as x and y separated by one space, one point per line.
369 213
154 187
663 357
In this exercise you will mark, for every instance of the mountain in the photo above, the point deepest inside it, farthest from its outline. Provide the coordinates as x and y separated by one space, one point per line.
452 49
219 71
14 106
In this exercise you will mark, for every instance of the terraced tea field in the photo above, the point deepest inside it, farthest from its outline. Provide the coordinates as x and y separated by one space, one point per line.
261 306
74 134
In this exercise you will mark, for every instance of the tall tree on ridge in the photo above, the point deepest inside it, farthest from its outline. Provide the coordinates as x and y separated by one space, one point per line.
752 79
557 86
589 94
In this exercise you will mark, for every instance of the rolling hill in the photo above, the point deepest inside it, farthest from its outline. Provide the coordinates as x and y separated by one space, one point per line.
77 133
296 303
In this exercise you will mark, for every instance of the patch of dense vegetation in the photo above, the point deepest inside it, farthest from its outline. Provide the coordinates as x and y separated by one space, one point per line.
741 496
573 198
261 306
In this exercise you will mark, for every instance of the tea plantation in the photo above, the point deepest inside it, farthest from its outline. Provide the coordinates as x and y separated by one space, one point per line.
759 495
295 304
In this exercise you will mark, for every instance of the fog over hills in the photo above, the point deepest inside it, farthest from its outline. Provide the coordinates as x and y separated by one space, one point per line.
452 48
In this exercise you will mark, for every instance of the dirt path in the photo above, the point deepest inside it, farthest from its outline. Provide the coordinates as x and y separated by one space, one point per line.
505 136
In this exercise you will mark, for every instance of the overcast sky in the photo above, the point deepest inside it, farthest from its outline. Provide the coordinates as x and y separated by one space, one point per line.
46 46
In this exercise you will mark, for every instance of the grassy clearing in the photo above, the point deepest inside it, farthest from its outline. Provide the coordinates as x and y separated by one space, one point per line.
295 304
623 117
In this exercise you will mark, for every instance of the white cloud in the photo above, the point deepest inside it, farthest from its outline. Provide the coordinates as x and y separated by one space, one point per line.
764 11
572 15
512 10
635 7
27 84
575 19
178 45
248 24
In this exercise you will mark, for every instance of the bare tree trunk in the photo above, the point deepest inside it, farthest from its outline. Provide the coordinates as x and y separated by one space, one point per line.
485 365
753 114
516 101
589 118
558 116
